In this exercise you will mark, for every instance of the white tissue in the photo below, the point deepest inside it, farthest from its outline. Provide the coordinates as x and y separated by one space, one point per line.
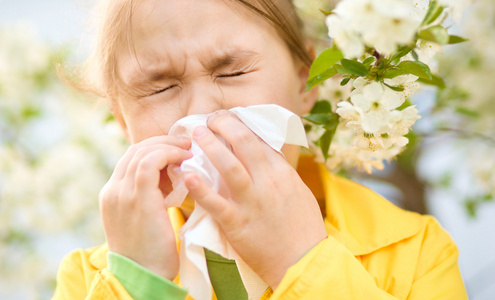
276 126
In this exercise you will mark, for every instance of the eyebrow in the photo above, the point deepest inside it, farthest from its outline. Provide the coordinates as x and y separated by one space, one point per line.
230 58
234 58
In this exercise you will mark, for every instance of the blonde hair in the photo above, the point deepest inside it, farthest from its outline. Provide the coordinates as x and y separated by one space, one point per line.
113 22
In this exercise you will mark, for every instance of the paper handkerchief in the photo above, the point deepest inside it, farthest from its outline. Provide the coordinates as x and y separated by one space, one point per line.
276 126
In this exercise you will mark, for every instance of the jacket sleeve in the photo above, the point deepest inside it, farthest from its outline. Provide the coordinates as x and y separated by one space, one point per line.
77 279
141 283
330 271
437 273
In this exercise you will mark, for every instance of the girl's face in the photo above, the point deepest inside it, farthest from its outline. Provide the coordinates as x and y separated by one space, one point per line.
195 57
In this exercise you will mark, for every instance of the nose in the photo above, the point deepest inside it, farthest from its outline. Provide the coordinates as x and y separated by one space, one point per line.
204 98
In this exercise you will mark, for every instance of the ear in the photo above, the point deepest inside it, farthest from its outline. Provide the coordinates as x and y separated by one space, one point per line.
117 113
309 98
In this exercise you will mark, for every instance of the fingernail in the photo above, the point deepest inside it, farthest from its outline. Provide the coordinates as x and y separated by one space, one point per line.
218 113
200 131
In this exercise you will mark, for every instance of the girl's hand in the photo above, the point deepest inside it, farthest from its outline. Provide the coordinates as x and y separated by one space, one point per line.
132 207
270 218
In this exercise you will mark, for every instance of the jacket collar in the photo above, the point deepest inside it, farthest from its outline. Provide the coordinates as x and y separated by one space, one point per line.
99 257
360 219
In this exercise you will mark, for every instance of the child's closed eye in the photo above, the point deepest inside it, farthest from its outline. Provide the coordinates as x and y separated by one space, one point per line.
233 74
158 91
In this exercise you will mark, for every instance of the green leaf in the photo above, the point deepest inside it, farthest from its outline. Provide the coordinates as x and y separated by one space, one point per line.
392 73
472 204
471 207
434 11
311 83
467 112
354 67
401 52
435 80
415 55
436 34
324 61
395 88
30 112
416 68
454 39
326 12
320 119
326 140
345 81
321 107
322 67
109 118
404 105
340 69
369 60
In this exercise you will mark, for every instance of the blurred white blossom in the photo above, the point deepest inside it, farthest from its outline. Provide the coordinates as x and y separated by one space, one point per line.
466 105
56 152
380 24
333 92
456 7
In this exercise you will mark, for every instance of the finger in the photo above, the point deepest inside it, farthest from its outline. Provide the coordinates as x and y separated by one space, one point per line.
122 165
246 145
143 151
220 209
233 172
148 168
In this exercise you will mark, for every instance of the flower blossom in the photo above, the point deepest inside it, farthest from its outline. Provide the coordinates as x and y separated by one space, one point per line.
456 7
333 92
373 120
381 24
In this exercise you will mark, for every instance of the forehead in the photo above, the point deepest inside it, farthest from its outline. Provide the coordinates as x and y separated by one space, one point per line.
171 31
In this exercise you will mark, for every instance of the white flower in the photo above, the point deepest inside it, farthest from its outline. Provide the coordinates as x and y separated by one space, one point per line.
407 82
372 127
374 101
426 51
381 24
333 92
395 24
347 40
401 121
456 7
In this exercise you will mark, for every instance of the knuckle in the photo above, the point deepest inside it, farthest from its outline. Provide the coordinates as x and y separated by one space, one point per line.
108 196
233 168
236 170
242 182
133 149
242 138
145 166
140 152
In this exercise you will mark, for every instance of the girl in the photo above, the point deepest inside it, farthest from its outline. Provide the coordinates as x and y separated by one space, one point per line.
157 61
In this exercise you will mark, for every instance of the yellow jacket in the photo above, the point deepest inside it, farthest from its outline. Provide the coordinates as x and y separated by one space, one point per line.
374 250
